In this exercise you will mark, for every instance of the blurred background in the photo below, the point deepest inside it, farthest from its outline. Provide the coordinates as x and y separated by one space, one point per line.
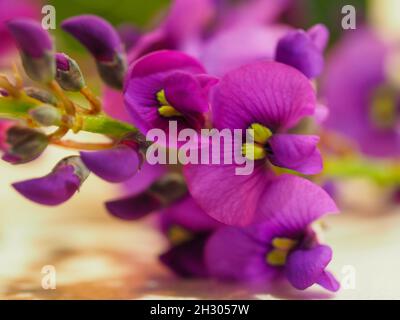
97 256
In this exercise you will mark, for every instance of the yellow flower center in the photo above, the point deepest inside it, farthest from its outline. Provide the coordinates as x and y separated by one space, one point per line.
178 235
256 149
281 248
384 108
165 109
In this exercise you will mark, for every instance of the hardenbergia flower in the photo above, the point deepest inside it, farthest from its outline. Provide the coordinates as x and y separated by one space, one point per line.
284 244
103 42
269 98
167 85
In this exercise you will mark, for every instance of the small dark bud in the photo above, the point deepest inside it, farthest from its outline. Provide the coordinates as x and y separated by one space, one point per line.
69 75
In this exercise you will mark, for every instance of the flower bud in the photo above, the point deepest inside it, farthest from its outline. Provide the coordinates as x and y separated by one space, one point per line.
104 43
69 75
23 144
36 49
41 95
56 187
46 115
112 73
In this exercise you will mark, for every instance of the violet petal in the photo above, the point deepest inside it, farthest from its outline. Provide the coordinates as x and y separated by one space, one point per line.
31 38
114 165
133 208
96 34
296 152
51 190
304 267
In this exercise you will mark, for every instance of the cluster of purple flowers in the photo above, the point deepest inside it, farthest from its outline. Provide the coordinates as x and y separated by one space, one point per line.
208 65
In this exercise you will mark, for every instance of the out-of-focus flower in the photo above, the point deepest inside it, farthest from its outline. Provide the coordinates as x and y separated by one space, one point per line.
104 43
304 50
11 9
69 75
269 98
160 194
36 48
21 144
167 85
117 164
285 244
362 102
185 21
187 228
58 186
129 35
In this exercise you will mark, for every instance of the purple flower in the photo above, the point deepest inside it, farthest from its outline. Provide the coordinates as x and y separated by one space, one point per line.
36 48
96 34
10 9
233 47
58 186
21 144
30 37
284 244
270 98
117 164
303 50
363 104
187 228
185 22
167 85
103 41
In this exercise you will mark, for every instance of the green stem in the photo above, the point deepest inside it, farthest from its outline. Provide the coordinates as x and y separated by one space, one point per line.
100 123
381 171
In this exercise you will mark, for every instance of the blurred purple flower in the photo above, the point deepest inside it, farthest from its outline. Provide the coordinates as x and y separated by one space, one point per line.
284 244
11 9
36 48
58 186
96 34
103 41
167 85
362 104
270 98
30 37
187 228
304 50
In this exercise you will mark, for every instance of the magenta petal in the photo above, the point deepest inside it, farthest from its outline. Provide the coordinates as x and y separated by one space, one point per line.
114 165
233 254
328 281
292 203
232 48
296 152
305 267
146 78
184 92
319 34
51 190
187 259
269 93
229 198
96 34
297 49
114 106
133 208
187 214
31 38
187 19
